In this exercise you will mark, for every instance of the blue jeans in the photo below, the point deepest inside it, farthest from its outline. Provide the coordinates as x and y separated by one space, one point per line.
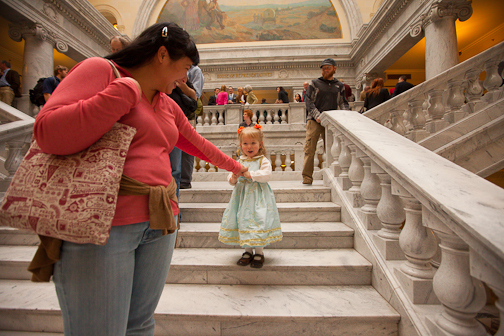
113 289
176 166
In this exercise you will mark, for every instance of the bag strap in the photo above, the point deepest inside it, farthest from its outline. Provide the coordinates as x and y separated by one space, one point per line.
116 72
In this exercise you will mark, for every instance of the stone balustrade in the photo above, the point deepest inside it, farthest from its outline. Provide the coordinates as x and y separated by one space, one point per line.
405 202
445 99
15 133
264 114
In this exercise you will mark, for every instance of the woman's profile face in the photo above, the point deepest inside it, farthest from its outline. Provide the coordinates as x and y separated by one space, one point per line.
175 71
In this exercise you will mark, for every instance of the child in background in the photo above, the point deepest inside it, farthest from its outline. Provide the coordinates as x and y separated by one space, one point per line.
251 218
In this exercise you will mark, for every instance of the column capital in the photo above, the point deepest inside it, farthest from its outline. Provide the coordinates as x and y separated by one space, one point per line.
440 9
18 32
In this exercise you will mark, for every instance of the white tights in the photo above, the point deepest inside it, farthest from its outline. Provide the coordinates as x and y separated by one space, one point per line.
258 250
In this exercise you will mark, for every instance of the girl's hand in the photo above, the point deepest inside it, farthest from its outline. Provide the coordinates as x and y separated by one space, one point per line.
233 179
243 169
247 175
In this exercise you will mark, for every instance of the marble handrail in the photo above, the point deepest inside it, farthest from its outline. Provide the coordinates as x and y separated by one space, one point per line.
436 201
16 130
444 99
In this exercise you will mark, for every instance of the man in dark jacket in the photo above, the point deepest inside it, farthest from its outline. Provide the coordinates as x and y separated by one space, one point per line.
213 99
323 94
9 83
401 86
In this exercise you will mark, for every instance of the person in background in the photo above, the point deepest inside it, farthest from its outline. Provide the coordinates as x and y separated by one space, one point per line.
118 43
305 87
195 76
222 97
51 83
213 99
324 94
363 93
283 97
231 95
247 119
114 289
401 86
376 95
297 98
263 101
251 97
240 98
9 83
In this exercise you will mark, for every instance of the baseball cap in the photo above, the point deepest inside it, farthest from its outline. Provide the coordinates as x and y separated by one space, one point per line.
328 61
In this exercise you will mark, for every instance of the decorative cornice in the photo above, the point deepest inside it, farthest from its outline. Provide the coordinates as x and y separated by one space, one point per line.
274 67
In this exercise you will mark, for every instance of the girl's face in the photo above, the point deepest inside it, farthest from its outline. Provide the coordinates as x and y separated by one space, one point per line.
250 146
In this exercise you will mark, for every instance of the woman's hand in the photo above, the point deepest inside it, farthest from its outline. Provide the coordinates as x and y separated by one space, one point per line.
243 169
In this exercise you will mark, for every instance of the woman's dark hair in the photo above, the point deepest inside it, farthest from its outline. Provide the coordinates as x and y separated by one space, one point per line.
376 86
281 88
176 40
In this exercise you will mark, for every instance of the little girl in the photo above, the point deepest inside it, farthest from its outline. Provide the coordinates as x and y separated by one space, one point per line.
251 218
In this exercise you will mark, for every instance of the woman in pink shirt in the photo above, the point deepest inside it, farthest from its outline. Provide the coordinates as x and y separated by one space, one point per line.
114 289
222 97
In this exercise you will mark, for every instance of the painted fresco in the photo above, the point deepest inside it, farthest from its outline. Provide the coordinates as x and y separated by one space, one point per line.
217 21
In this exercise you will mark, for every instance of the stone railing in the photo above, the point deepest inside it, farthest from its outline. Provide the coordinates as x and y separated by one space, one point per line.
16 130
433 231
264 114
283 158
445 99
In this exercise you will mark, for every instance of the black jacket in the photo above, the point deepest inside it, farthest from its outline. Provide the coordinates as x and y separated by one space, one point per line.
283 96
324 95
186 103
212 100
401 87
372 101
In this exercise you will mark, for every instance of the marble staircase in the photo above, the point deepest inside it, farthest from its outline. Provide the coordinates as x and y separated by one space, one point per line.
313 282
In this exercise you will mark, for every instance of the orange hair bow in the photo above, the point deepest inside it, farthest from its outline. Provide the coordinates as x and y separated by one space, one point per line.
240 129
257 126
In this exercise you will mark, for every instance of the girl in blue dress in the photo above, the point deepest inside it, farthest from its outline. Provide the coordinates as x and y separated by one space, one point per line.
251 218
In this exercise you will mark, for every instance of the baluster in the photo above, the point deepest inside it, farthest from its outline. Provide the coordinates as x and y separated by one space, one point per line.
212 168
200 119
197 161
371 193
278 161
261 117
473 92
288 160
344 159
254 117
284 116
417 119
275 117
390 211
406 117
202 166
492 81
436 111
335 151
356 175
461 295
397 123
269 117
214 118
221 117
324 160
207 118
455 101
15 155
316 161
419 245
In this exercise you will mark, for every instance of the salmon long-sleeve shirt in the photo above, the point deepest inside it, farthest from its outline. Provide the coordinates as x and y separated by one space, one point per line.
90 100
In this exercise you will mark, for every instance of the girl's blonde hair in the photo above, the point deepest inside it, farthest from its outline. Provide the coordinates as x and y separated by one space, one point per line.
254 133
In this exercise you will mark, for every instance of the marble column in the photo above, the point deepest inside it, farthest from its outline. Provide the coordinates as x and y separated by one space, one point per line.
38 58
441 52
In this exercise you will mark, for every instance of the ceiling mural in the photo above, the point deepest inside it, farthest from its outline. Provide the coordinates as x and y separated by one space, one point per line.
218 21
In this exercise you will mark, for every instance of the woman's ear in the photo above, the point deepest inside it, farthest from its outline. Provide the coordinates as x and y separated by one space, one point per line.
162 54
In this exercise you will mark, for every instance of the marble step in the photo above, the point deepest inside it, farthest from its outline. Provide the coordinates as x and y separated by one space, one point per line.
225 310
289 212
295 235
285 191
218 266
